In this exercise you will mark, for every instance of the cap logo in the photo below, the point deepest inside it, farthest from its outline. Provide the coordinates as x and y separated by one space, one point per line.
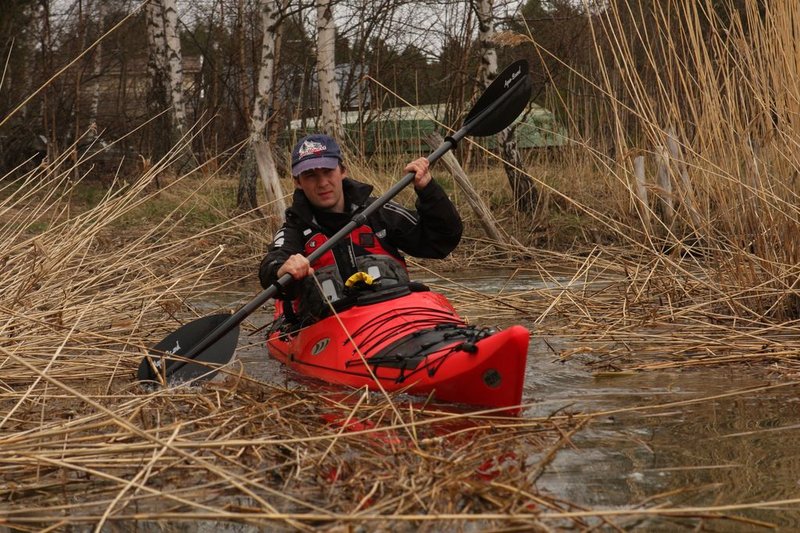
315 151
310 148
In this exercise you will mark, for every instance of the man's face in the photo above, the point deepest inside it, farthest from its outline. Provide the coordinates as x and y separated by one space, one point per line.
323 188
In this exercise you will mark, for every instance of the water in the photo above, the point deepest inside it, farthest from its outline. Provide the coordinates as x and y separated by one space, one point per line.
734 449
737 448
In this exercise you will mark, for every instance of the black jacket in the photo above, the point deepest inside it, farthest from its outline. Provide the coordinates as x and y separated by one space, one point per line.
432 231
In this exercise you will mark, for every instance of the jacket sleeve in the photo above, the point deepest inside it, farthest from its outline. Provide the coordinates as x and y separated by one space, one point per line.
287 242
433 231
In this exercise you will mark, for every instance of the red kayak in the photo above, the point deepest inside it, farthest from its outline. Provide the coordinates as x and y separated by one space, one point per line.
408 339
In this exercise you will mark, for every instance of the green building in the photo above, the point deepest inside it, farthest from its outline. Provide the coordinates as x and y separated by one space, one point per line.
403 129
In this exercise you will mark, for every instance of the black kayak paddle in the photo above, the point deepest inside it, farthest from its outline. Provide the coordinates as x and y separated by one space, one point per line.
195 349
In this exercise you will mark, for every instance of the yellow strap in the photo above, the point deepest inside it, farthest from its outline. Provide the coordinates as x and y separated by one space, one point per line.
359 276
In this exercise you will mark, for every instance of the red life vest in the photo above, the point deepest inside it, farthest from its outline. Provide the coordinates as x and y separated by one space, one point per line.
371 257
363 237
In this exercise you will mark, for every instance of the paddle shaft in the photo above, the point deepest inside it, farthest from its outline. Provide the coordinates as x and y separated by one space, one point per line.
358 220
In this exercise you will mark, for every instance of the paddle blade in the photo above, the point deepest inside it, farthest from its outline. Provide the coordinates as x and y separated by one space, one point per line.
159 366
509 92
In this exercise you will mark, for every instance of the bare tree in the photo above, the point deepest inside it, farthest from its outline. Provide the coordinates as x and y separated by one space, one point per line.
523 188
48 96
175 71
100 8
418 52
326 70
258 153
157 97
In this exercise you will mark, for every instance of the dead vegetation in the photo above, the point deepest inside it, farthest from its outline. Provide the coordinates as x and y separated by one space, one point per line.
83 294
83 445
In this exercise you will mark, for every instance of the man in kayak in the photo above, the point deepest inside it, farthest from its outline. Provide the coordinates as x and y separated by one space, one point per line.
325 200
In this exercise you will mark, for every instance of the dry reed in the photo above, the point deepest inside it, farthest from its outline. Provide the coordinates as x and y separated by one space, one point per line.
717 89
83 446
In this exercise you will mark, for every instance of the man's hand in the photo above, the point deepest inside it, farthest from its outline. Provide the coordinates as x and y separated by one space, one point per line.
421 169
297 265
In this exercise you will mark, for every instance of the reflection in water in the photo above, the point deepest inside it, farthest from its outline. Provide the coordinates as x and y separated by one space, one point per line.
731 450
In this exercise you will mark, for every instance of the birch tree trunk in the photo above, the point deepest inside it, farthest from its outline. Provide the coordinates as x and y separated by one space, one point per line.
279 105
29 43
259 156
326 70
243 80
175 70
486 33
75 112
97 67
526 196
46 46
157 94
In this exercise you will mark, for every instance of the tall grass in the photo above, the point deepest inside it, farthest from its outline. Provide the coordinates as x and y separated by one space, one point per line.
716 89
87 277
84 293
